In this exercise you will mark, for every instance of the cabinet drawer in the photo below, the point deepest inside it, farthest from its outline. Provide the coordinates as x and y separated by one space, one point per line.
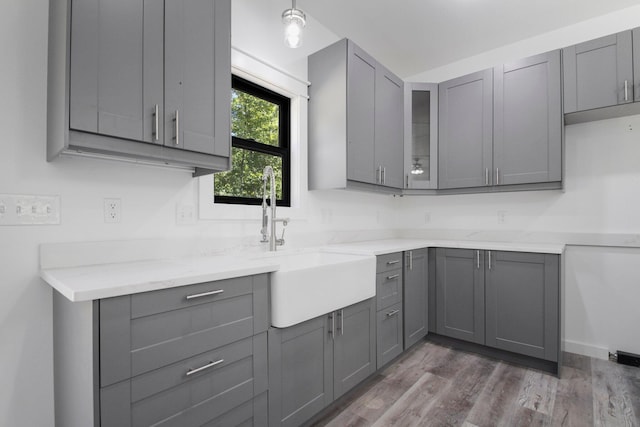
389 322
389 262
177 395
388 288
137 337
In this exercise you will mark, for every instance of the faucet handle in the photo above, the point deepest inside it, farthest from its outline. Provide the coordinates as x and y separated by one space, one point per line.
280 241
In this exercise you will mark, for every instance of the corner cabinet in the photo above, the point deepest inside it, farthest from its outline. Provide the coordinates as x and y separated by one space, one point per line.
144 81
502 128
355 121
504 300
315 362
421 136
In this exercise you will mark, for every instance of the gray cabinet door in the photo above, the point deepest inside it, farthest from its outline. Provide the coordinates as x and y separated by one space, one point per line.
389 333
596 73
527 138
415 296
466 131
460 294
389 143
300 371
116 46
636 64
361 86
522 303
197 76
354 346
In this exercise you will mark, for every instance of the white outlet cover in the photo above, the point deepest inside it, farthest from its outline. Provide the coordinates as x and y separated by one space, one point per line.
112 211
29 209
185 214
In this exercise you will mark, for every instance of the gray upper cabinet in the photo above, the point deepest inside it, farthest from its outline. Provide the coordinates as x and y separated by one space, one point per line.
389 122
527 138
415 298
598 73
421 136
355 121
141 79
466 131
460 294
522 303
361 86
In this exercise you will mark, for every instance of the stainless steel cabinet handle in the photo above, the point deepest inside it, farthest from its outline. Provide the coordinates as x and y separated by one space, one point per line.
202 368
177 120
384 175
497 176
626 90
342 322
205 294
478 259
410 260
489 260
393 262
407 185
394 276
486 176
392 313
156 123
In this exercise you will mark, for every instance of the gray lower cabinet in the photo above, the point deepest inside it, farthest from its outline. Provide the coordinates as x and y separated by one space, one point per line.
415 296
389 317
598 73
522 303
356 122
315 362
186 356
460 294
505 300
141 79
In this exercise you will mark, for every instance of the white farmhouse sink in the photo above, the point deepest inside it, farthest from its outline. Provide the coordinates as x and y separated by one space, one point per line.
310 284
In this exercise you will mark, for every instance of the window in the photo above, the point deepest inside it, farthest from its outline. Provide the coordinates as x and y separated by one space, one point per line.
260 136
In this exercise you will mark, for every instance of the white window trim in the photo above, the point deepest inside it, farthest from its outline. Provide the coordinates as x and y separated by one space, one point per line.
255 70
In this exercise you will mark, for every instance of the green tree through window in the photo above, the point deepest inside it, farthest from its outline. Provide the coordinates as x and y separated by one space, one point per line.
260 137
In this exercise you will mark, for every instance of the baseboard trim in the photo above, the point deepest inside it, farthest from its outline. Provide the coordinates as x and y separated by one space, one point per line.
585 349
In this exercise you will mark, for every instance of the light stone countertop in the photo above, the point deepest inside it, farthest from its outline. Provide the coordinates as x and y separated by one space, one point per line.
109 280
86 283
381 247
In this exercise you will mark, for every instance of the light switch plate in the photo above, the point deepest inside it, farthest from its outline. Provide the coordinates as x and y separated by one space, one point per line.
21 209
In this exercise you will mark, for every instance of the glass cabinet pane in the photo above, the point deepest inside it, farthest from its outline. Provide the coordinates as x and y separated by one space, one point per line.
420 135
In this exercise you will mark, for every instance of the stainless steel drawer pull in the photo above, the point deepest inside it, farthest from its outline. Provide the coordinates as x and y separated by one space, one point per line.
486 176
393 262
626 90
478 260
393 313
202 368
156 123
205 294
393 276
177 120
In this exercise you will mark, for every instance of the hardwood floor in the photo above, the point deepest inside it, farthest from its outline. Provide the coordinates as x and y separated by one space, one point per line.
433 385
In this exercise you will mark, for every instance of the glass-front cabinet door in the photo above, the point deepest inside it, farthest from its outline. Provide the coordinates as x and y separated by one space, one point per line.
421 136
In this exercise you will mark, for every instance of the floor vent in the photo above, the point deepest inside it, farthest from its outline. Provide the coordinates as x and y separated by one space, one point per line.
625 358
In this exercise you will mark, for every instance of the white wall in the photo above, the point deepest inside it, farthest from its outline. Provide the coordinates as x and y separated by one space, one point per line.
150 196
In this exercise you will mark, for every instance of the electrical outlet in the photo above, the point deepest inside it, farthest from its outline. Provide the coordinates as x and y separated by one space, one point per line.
185 214
112 211
502 217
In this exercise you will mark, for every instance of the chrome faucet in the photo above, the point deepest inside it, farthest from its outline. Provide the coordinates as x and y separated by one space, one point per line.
270 236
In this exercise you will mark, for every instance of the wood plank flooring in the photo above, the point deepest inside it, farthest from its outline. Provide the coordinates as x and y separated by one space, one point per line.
433 385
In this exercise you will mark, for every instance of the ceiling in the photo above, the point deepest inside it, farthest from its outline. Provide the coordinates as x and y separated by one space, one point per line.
411 36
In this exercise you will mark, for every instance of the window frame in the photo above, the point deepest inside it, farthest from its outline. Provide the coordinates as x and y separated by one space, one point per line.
283 150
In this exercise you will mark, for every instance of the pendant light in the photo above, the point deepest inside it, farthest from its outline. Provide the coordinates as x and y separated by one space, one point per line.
416 168
294 21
